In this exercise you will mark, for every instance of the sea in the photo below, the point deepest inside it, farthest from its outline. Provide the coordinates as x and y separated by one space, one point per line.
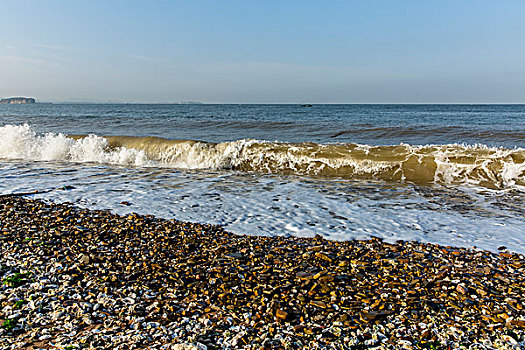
447 174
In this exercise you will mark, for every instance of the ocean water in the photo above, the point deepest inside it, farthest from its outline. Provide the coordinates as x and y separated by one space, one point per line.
447 174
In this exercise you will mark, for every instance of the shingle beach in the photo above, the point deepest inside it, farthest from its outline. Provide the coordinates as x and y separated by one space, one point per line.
74 278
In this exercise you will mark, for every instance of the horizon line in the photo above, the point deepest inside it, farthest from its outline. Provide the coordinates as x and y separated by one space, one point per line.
280 103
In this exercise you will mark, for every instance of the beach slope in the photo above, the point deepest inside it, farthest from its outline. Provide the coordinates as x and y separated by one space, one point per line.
91 279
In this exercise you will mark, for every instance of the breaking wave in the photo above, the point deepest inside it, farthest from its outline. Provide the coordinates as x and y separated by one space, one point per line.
478 165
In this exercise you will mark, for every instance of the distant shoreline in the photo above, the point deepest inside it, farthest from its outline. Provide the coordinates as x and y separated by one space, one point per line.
17 100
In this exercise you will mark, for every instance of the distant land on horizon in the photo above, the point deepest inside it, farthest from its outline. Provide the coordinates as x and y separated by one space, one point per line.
17 100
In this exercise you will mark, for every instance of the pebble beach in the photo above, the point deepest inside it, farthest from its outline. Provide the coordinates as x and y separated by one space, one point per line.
75 278
278 175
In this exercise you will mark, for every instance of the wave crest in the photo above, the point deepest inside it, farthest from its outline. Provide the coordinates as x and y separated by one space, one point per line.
448 164
22 142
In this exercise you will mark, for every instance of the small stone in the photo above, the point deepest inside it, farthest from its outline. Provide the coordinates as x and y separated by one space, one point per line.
184 346
461 289
519 323
281 314
83 259
318 303
323 256
426 334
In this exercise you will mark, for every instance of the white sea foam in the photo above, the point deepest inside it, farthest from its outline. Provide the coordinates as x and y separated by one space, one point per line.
22 142
285 205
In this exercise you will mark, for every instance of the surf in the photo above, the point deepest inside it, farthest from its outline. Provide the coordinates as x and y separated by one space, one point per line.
477 165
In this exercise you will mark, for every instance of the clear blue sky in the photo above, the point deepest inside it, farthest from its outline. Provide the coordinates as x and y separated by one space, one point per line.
410 51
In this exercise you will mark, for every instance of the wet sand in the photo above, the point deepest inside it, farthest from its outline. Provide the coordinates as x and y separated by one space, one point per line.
77 278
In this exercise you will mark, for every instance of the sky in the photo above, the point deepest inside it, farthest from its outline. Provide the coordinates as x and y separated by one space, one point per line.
410 51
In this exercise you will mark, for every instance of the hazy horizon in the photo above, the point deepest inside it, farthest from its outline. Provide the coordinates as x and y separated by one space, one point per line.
348 52
264 103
